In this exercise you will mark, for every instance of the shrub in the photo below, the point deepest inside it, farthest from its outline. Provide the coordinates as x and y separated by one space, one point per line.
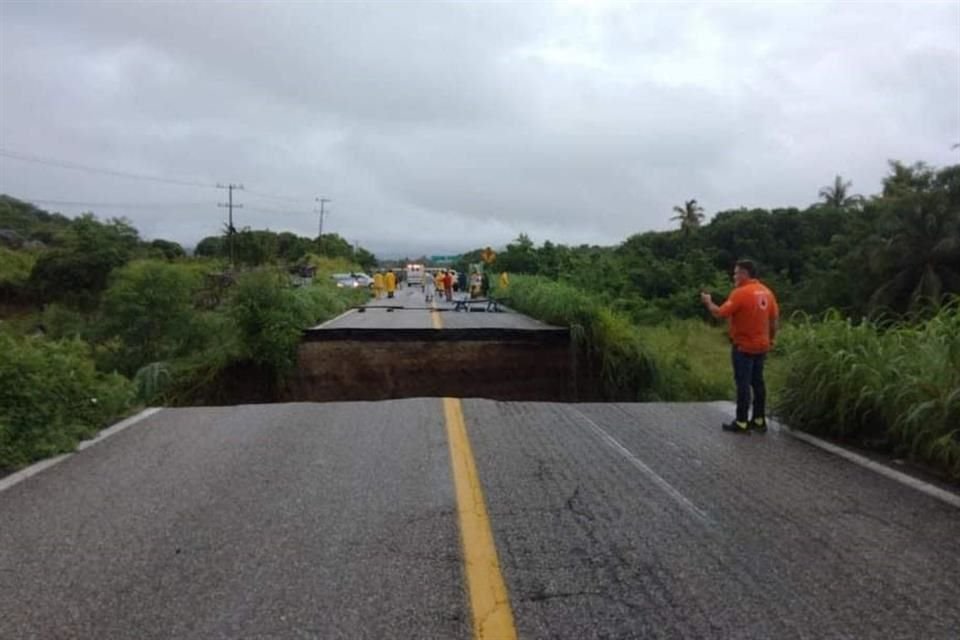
59 321
270 315
51 397
15 267
627 370
148 307
269 318
894 386
78 270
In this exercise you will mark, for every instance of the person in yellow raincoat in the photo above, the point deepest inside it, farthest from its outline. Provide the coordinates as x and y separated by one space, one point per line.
438 282
378 284
391 281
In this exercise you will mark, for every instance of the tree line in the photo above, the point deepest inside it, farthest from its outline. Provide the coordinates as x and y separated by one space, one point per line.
894 253
47 257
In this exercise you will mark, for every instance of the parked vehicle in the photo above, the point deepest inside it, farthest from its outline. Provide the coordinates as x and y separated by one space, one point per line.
346 280
363 279
414 275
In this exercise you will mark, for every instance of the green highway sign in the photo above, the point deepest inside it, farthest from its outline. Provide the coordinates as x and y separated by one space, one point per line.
444 258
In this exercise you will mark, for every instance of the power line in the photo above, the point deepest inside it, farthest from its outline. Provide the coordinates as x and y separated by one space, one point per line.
113 205
270 196
73 166
147 205
280 211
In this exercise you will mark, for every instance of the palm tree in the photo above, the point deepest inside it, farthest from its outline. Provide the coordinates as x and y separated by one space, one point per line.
920 261
690 216
835 195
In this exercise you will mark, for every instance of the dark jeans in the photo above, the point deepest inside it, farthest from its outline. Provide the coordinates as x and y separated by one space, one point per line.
748 373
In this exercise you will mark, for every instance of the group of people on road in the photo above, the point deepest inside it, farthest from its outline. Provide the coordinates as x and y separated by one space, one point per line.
441 281
384 282
444 283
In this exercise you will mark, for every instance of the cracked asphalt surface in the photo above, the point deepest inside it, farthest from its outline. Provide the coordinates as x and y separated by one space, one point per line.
339 520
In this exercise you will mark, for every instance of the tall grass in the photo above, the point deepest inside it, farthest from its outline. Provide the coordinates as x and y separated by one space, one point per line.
677 360
610 342
693 358
895 386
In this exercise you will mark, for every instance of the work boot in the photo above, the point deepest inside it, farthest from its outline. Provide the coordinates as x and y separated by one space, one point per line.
737 426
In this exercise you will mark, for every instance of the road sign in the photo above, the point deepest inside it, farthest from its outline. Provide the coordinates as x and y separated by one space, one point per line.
488 255
444 258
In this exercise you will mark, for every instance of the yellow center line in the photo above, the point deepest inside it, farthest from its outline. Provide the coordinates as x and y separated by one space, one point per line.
489 602
435 316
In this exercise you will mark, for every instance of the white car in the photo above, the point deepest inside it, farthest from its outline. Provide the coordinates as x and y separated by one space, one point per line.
345 280
363 279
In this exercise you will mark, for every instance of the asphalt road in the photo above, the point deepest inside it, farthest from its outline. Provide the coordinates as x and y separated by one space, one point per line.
340 520
410 310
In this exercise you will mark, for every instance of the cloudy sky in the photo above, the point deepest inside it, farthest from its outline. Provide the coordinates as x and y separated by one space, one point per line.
436 127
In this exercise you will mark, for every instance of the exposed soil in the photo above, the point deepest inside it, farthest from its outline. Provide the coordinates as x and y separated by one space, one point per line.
517 366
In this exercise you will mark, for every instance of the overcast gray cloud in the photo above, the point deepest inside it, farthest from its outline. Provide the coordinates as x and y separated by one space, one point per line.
437 127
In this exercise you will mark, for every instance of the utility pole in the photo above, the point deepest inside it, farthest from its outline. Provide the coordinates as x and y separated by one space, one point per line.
230 207
322 212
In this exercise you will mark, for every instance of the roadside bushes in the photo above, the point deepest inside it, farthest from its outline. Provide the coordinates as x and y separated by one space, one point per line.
51 397
607 338
253 335
269 317
674 360
15 267
152 328
147 314
894 386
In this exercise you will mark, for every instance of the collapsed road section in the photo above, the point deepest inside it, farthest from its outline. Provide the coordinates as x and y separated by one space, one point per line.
412 349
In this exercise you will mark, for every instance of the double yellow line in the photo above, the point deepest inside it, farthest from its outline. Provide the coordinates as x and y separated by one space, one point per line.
489 601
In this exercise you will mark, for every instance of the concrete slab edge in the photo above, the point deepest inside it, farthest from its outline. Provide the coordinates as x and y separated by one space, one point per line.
919 485
37 467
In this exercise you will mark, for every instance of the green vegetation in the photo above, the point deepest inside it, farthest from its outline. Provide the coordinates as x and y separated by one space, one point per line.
15 268
260 247
142 322
95 322
894 386
693 360
147 314
682 360
895 253
270 316
879 366
52 396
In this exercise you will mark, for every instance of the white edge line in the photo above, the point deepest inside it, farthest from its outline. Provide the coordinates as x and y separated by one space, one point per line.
118 427
924 487
34 469
639 464
332 320
919 485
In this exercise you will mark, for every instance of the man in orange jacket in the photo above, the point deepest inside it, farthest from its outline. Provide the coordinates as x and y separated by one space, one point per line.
448 285
754 319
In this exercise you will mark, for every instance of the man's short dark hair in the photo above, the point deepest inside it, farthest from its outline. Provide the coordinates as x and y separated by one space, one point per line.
748 266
